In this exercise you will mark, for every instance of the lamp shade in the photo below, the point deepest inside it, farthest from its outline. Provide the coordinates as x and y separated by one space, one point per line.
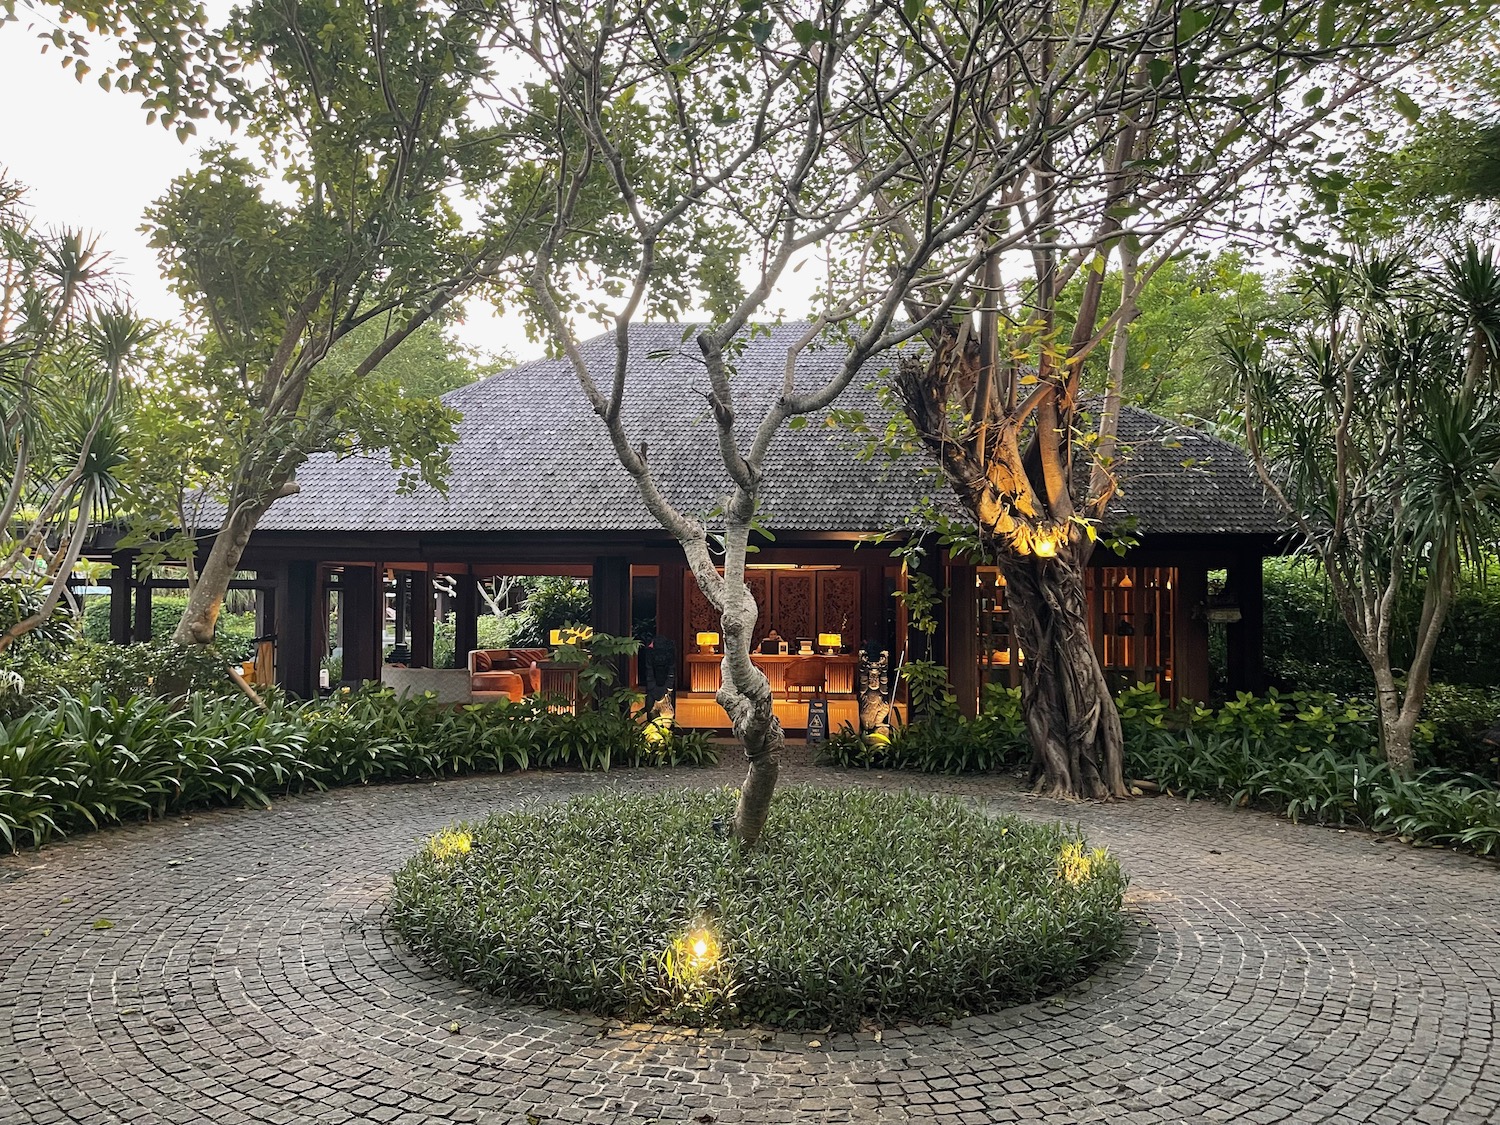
708 640
830 640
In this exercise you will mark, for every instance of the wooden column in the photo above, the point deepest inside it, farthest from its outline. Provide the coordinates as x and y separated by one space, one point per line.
609 592
120 582
358 613
609 600
465 619
1190 669
1246 637
421 619
141 632
670 578
963 637
265 608
403 604
298 632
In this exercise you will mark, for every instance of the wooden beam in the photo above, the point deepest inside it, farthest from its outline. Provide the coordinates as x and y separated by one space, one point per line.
421 619
141 594
963 638
120 582
669 624
361 623
465 619
609 599
1191 676
298 632
1246 637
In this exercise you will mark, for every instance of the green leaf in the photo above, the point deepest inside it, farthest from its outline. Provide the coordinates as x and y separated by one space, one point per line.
1191 22
1328 23
1406 107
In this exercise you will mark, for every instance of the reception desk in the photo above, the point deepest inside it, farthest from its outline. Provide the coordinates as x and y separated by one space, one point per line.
703 672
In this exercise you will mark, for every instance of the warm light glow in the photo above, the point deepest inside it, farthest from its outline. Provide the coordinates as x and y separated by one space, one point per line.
830 641
707 642
1045 547
450 843
694 954
1126 583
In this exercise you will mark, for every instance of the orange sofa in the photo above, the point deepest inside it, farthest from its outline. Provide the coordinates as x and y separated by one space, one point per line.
505 673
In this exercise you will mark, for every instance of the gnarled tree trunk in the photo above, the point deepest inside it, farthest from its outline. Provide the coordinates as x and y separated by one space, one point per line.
745 695
1077 745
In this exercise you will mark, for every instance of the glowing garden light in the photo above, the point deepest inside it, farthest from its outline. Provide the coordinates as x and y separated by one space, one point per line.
702 948
692 955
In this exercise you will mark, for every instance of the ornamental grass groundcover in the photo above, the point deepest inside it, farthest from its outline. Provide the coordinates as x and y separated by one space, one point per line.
859 907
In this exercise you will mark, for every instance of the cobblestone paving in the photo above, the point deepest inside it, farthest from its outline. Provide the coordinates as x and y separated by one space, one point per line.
1279 973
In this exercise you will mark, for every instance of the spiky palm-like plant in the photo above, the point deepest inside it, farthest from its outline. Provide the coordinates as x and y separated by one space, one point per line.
65 351
1376 426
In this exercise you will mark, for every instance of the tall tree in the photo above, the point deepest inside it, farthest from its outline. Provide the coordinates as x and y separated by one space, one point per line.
1435 170
1376 426
67 346
1234 101
304 270
1172 362
721 142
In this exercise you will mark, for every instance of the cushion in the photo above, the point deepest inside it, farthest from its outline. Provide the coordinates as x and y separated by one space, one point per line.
482 661
494 681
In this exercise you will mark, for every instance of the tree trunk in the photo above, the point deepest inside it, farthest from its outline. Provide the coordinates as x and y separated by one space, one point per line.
1077 746
1395 734
206 598
745 694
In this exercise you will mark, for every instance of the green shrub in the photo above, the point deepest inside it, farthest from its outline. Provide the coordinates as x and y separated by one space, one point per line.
1442 810
1454 721
94 759
941 740
859 906
233 632
159 668
1308 756
1307 644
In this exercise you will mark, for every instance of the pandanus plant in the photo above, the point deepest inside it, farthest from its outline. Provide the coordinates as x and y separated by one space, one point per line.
65 357
1376 426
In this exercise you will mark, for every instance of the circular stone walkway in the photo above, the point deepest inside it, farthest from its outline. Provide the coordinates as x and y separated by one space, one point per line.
232 967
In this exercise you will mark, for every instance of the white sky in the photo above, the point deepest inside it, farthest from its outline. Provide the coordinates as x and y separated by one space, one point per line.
91 161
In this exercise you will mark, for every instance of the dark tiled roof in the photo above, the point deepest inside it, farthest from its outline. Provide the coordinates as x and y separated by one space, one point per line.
533 457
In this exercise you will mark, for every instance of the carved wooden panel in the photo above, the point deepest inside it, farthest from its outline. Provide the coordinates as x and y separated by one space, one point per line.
759 582
698 614
792 606
838 605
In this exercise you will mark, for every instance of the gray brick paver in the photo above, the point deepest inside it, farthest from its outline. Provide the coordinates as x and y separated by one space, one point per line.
1278 973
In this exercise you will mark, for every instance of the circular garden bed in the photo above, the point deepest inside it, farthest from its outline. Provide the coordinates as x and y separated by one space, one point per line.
859 906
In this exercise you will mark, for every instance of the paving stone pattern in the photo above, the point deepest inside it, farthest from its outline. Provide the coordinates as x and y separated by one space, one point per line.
1279 973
